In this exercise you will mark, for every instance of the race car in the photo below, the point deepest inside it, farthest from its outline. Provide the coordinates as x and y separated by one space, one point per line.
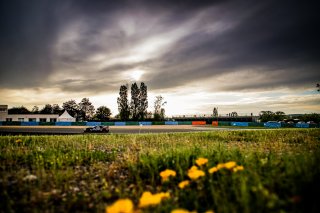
97 129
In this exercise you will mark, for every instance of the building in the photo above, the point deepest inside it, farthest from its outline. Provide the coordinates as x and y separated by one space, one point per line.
4 116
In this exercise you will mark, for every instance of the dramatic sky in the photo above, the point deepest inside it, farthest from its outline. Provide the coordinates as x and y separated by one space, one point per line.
240 55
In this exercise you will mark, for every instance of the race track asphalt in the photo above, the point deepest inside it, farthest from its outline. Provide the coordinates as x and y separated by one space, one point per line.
60 130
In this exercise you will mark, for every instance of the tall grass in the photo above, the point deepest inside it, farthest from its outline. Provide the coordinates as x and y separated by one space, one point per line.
85 173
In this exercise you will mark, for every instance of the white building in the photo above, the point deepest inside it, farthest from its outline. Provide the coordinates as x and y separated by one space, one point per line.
4 116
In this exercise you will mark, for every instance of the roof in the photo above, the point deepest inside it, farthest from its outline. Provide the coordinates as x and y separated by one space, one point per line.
65 114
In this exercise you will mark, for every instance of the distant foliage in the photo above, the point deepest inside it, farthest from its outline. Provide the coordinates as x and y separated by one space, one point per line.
215 112
136 109
134 104
234 114
86 109
103 113
71 107
143 101
159 111
265 116
315 117
18 110
56 109
35 110
123 103
47 109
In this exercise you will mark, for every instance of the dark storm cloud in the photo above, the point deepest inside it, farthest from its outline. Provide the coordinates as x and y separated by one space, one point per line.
86 39
27 30
270 37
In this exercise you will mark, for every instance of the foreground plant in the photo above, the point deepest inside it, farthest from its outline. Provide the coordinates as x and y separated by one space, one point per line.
149 199
166 174
121 206
194 173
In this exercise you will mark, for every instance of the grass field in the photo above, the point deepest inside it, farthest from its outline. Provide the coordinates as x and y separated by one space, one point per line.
275 171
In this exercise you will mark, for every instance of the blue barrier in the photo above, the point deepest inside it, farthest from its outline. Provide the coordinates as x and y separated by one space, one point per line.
272 125
171 123
93 123
145 123
239 124
30 123
119 123
62 123
302 125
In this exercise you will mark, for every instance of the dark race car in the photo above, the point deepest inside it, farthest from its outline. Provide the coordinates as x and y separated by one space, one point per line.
97 129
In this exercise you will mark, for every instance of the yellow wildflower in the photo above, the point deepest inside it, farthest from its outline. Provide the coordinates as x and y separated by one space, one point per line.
166 174
213 170
121 206
238 168
194 173
193 168
181 211
148 199
183 184
201 161
18 141
220 166
230 164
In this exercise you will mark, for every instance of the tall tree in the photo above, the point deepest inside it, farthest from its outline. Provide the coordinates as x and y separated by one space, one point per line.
135 101
143 101
35 110
47 109
215 112
123 103
159 111
56 109
103 113
86 109
71 107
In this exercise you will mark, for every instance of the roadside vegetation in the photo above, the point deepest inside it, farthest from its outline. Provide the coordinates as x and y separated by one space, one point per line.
222 171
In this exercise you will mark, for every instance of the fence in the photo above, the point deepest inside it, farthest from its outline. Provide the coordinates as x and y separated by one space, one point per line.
199 122
171 122
149 123
272 125
239 124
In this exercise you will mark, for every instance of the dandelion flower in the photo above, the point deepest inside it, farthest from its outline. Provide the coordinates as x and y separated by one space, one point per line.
121 206
18 141
148 199
238 168
166 174
181 211
213 170
193 168
220 166
230 165
201 161
183 184
194 173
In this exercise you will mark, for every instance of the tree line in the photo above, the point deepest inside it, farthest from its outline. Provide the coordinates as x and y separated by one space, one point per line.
82 111
265 116
134 109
